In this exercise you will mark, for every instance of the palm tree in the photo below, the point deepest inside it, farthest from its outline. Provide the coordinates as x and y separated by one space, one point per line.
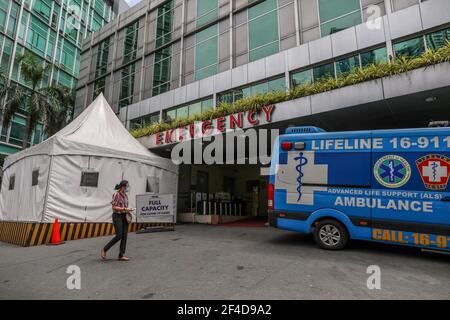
11 97
50 105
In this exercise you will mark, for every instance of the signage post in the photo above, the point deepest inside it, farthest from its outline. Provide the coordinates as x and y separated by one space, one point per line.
150 206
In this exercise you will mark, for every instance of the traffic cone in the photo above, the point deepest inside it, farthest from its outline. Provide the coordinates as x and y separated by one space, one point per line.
56 238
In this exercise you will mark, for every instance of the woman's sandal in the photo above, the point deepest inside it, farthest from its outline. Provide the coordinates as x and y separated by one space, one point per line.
124 259
103 254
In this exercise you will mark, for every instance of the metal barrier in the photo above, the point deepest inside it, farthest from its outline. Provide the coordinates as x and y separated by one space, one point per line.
220 208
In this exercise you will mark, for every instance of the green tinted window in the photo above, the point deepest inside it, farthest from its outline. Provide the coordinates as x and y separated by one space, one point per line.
235 95
99 86
324 71
277 85
68 56
127 87
195 108
438 39
263 30
207 104
411 48
345 66
17 132
145 121
262 8
189 110
6 54
43 8
207 11
102 57
341 23
164 24
37 35
130 44
338 15
161 71
373 57
12 24
206 52
302 77
3 13
329 10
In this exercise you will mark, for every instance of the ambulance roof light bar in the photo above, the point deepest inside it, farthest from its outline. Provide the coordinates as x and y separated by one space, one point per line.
302 130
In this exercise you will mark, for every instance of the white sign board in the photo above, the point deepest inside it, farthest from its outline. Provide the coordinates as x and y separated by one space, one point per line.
154 205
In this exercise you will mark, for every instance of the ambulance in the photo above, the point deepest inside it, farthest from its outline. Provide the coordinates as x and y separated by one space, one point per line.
387 186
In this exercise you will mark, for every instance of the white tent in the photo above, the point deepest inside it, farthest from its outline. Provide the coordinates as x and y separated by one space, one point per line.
71 176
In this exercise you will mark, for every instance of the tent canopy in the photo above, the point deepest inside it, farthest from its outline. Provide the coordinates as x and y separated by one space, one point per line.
46 181
96 132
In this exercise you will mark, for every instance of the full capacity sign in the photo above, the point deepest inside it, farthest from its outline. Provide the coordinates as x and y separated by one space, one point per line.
151 205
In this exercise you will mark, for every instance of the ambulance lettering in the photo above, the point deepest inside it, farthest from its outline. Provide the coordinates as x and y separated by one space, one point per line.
384 204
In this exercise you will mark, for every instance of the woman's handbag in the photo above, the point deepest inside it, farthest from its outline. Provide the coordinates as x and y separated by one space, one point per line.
129 217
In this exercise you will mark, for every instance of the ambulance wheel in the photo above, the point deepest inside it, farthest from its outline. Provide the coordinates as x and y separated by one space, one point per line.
331 235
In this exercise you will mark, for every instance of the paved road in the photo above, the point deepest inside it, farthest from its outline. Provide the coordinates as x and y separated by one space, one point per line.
209 262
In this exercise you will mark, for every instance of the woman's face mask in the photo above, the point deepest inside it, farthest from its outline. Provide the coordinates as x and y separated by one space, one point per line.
127 189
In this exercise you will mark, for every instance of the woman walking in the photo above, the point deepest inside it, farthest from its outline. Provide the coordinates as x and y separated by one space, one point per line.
120 210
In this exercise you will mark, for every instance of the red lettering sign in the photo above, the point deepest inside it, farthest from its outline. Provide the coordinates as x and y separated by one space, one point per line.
158 137
268 111
236 121
206 127
251 118
221 124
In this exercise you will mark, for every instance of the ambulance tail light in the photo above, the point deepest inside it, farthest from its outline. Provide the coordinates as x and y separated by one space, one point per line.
271 197
286 145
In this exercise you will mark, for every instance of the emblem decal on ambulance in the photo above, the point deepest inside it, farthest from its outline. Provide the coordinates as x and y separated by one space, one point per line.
302 161
392 171
434 170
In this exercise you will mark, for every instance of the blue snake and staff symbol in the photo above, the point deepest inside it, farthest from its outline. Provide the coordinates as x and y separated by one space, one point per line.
302 161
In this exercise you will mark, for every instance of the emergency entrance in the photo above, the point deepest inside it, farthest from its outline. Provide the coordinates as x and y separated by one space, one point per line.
221 193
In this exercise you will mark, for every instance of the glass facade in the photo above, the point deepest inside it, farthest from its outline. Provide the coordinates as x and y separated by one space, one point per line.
189 110
161 71
410 48
54 31
206 52
438 39
144 121
340 67
338 15
232 96
207 11
416 46
102 58
164 24
127 85
263 30
163 57
131 41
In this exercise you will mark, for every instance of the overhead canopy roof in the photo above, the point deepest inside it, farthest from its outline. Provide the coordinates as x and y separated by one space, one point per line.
95 132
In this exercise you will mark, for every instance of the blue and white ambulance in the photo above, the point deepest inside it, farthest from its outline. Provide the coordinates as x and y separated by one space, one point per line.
389 186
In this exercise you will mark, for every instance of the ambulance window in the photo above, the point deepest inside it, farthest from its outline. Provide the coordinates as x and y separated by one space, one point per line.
35 178
89 179
152 184
12 182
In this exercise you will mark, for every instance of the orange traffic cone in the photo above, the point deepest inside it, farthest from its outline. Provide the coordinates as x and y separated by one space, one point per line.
56 238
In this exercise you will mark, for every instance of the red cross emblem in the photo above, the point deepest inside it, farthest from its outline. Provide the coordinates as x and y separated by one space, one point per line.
435 171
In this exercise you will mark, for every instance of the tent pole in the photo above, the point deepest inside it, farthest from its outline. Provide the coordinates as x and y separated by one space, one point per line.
47 187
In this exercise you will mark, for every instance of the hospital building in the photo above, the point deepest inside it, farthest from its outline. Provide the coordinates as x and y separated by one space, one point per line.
165 60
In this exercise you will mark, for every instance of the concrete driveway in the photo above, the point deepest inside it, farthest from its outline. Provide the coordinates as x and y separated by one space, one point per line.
214 262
